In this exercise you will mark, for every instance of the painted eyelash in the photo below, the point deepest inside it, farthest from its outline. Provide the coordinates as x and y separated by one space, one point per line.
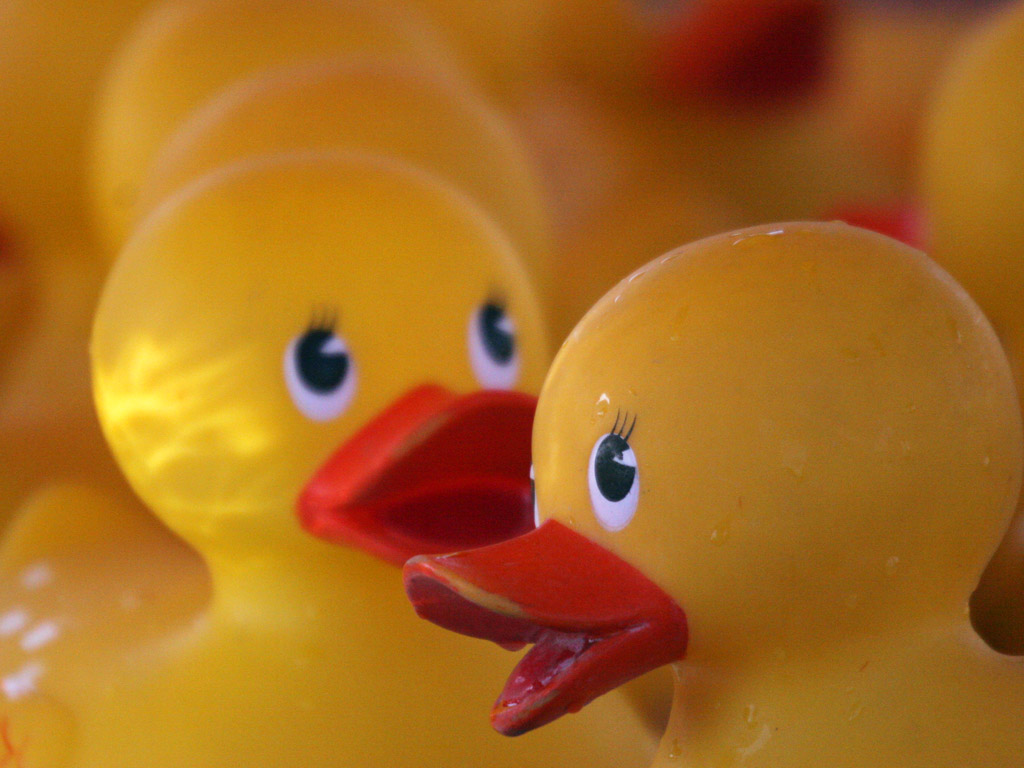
324 318
623 433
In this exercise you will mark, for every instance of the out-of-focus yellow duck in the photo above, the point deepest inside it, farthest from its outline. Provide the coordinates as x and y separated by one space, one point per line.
52 55
973 187
779 458
183 52
375 103
660 123
260 318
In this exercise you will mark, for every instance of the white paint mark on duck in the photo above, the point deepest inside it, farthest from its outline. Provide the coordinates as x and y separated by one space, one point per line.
22 682
41 634
13 621
36 575
762 739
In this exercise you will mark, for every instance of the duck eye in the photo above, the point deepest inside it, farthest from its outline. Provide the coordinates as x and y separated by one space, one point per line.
492 347
320 374
614 481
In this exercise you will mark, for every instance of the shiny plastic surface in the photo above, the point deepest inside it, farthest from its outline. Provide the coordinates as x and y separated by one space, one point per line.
828 450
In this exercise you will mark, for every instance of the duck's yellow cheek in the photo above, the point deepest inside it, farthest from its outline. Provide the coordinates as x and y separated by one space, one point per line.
172 419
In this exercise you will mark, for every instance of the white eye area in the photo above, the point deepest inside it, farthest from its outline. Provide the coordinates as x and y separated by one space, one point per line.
320 373
493 347
536 507
614 480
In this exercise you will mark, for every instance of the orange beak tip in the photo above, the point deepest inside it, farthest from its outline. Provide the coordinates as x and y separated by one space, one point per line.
594 621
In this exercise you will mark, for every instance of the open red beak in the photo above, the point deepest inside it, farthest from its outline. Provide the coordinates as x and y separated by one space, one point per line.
594 620
434 472
746 51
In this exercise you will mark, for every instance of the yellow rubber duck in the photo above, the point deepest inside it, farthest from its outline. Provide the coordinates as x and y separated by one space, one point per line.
972 171
779 458
184 51
52 54
373 103
261 318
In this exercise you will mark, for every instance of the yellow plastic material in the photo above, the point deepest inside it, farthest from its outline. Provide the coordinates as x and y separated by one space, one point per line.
973 179
78 570
52 54
185 51
390 107
307 653
828 449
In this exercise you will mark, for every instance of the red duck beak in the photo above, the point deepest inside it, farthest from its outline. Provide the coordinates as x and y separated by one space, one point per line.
594 620
900 220
434 472
746 51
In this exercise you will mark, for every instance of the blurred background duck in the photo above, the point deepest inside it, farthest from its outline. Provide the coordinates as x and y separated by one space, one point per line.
972 171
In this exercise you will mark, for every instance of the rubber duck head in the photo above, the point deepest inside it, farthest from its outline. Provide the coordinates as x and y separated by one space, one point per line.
271 310
789 437
383 104
148 93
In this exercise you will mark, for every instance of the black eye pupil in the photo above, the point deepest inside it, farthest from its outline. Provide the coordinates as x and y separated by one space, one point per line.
614 479
498 341
320 370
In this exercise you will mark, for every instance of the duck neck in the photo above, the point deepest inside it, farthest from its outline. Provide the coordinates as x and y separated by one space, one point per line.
294 584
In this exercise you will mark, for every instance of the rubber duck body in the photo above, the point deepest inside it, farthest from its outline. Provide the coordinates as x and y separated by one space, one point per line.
779 458
972 169
258 319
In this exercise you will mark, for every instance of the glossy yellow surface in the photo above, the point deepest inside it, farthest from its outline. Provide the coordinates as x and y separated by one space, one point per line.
307 653
973 179
828 450
185 51
391 107
71 584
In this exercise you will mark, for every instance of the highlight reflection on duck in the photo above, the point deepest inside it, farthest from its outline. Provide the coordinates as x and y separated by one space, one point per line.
779 458
264 316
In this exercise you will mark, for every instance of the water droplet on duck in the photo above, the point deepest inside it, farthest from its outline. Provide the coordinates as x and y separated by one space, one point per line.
636 275
794 458
750 715
891 565
675 752
720 533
